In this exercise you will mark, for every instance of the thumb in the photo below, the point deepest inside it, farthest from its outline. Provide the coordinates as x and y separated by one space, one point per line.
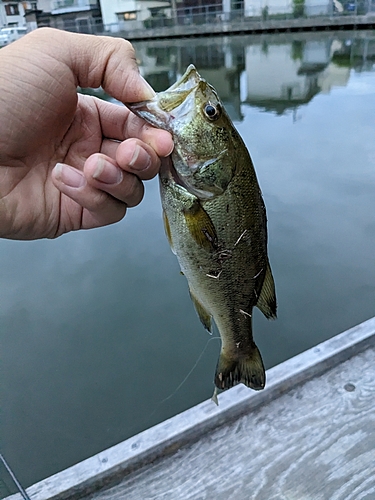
103 61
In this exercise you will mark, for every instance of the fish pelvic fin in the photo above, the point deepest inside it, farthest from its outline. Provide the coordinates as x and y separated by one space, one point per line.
267 298
247 369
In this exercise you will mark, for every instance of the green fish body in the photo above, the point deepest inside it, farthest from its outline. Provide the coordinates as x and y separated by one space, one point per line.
215 221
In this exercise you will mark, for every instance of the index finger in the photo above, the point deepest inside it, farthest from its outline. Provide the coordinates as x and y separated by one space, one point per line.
119 123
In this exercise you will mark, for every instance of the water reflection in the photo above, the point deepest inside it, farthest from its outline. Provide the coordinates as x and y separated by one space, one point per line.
276 73
97 327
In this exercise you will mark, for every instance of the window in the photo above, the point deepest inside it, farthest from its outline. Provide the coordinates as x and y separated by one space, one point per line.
12 9
130 16
26 5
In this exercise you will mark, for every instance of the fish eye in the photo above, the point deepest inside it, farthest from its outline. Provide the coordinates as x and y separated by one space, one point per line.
212 112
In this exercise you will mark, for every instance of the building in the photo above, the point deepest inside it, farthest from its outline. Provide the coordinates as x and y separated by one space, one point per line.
81 16
298 8
123 15
13 13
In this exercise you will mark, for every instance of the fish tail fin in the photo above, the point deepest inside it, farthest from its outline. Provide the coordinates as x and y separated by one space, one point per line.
248 369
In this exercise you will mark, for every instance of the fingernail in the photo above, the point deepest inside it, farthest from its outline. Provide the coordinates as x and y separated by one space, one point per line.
171 151
141 158
107 173
148 91
69 175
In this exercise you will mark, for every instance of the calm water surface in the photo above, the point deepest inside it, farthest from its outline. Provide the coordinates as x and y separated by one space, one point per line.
97 328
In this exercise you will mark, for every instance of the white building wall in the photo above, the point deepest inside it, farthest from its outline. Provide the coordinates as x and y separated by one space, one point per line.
113 23
317 52
256 7
271 74
44 5
17 19
333 76
317 7
110 7
3 17
312 7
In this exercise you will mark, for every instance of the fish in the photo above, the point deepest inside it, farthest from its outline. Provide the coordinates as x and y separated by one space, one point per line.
215 221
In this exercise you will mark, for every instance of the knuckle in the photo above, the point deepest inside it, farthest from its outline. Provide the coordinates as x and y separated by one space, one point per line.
121 45
134 126
125 44
97 201
132 190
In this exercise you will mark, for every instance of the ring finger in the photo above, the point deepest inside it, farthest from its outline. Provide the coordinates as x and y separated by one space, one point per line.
103 173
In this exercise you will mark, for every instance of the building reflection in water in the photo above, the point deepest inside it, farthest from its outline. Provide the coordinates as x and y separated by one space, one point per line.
276 73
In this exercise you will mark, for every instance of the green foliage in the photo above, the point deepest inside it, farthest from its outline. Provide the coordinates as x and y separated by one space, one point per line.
298 8
341 59
297 50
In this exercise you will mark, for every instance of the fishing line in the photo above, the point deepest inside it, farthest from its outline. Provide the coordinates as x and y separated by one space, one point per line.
15 480
150 415
187 376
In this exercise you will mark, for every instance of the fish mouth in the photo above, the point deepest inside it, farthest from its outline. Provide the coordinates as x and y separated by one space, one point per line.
175 102
188 80
168 110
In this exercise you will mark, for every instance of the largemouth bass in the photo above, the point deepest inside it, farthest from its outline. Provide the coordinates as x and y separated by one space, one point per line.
215 221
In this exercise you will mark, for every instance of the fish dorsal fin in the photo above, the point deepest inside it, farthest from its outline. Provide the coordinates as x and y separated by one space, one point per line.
200 226
267 298
167 229
202 312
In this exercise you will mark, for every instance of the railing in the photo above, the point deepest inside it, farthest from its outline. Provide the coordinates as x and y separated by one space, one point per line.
63 4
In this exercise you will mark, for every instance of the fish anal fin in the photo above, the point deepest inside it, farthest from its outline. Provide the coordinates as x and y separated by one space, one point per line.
204 315
167 229
247 369
201 227
267 298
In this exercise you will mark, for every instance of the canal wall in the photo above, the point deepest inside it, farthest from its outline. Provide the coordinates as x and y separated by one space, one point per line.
249 26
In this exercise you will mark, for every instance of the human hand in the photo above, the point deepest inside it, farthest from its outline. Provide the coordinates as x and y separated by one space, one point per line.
71 161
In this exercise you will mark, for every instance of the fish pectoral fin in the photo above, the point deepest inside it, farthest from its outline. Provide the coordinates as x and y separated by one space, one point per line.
204 315
248 370
267 298
200 226
167 229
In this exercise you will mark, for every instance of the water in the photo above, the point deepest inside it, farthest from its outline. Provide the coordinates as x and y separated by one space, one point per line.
97 327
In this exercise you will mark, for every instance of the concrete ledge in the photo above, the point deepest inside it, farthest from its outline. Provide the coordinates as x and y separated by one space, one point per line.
246 25
108 467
